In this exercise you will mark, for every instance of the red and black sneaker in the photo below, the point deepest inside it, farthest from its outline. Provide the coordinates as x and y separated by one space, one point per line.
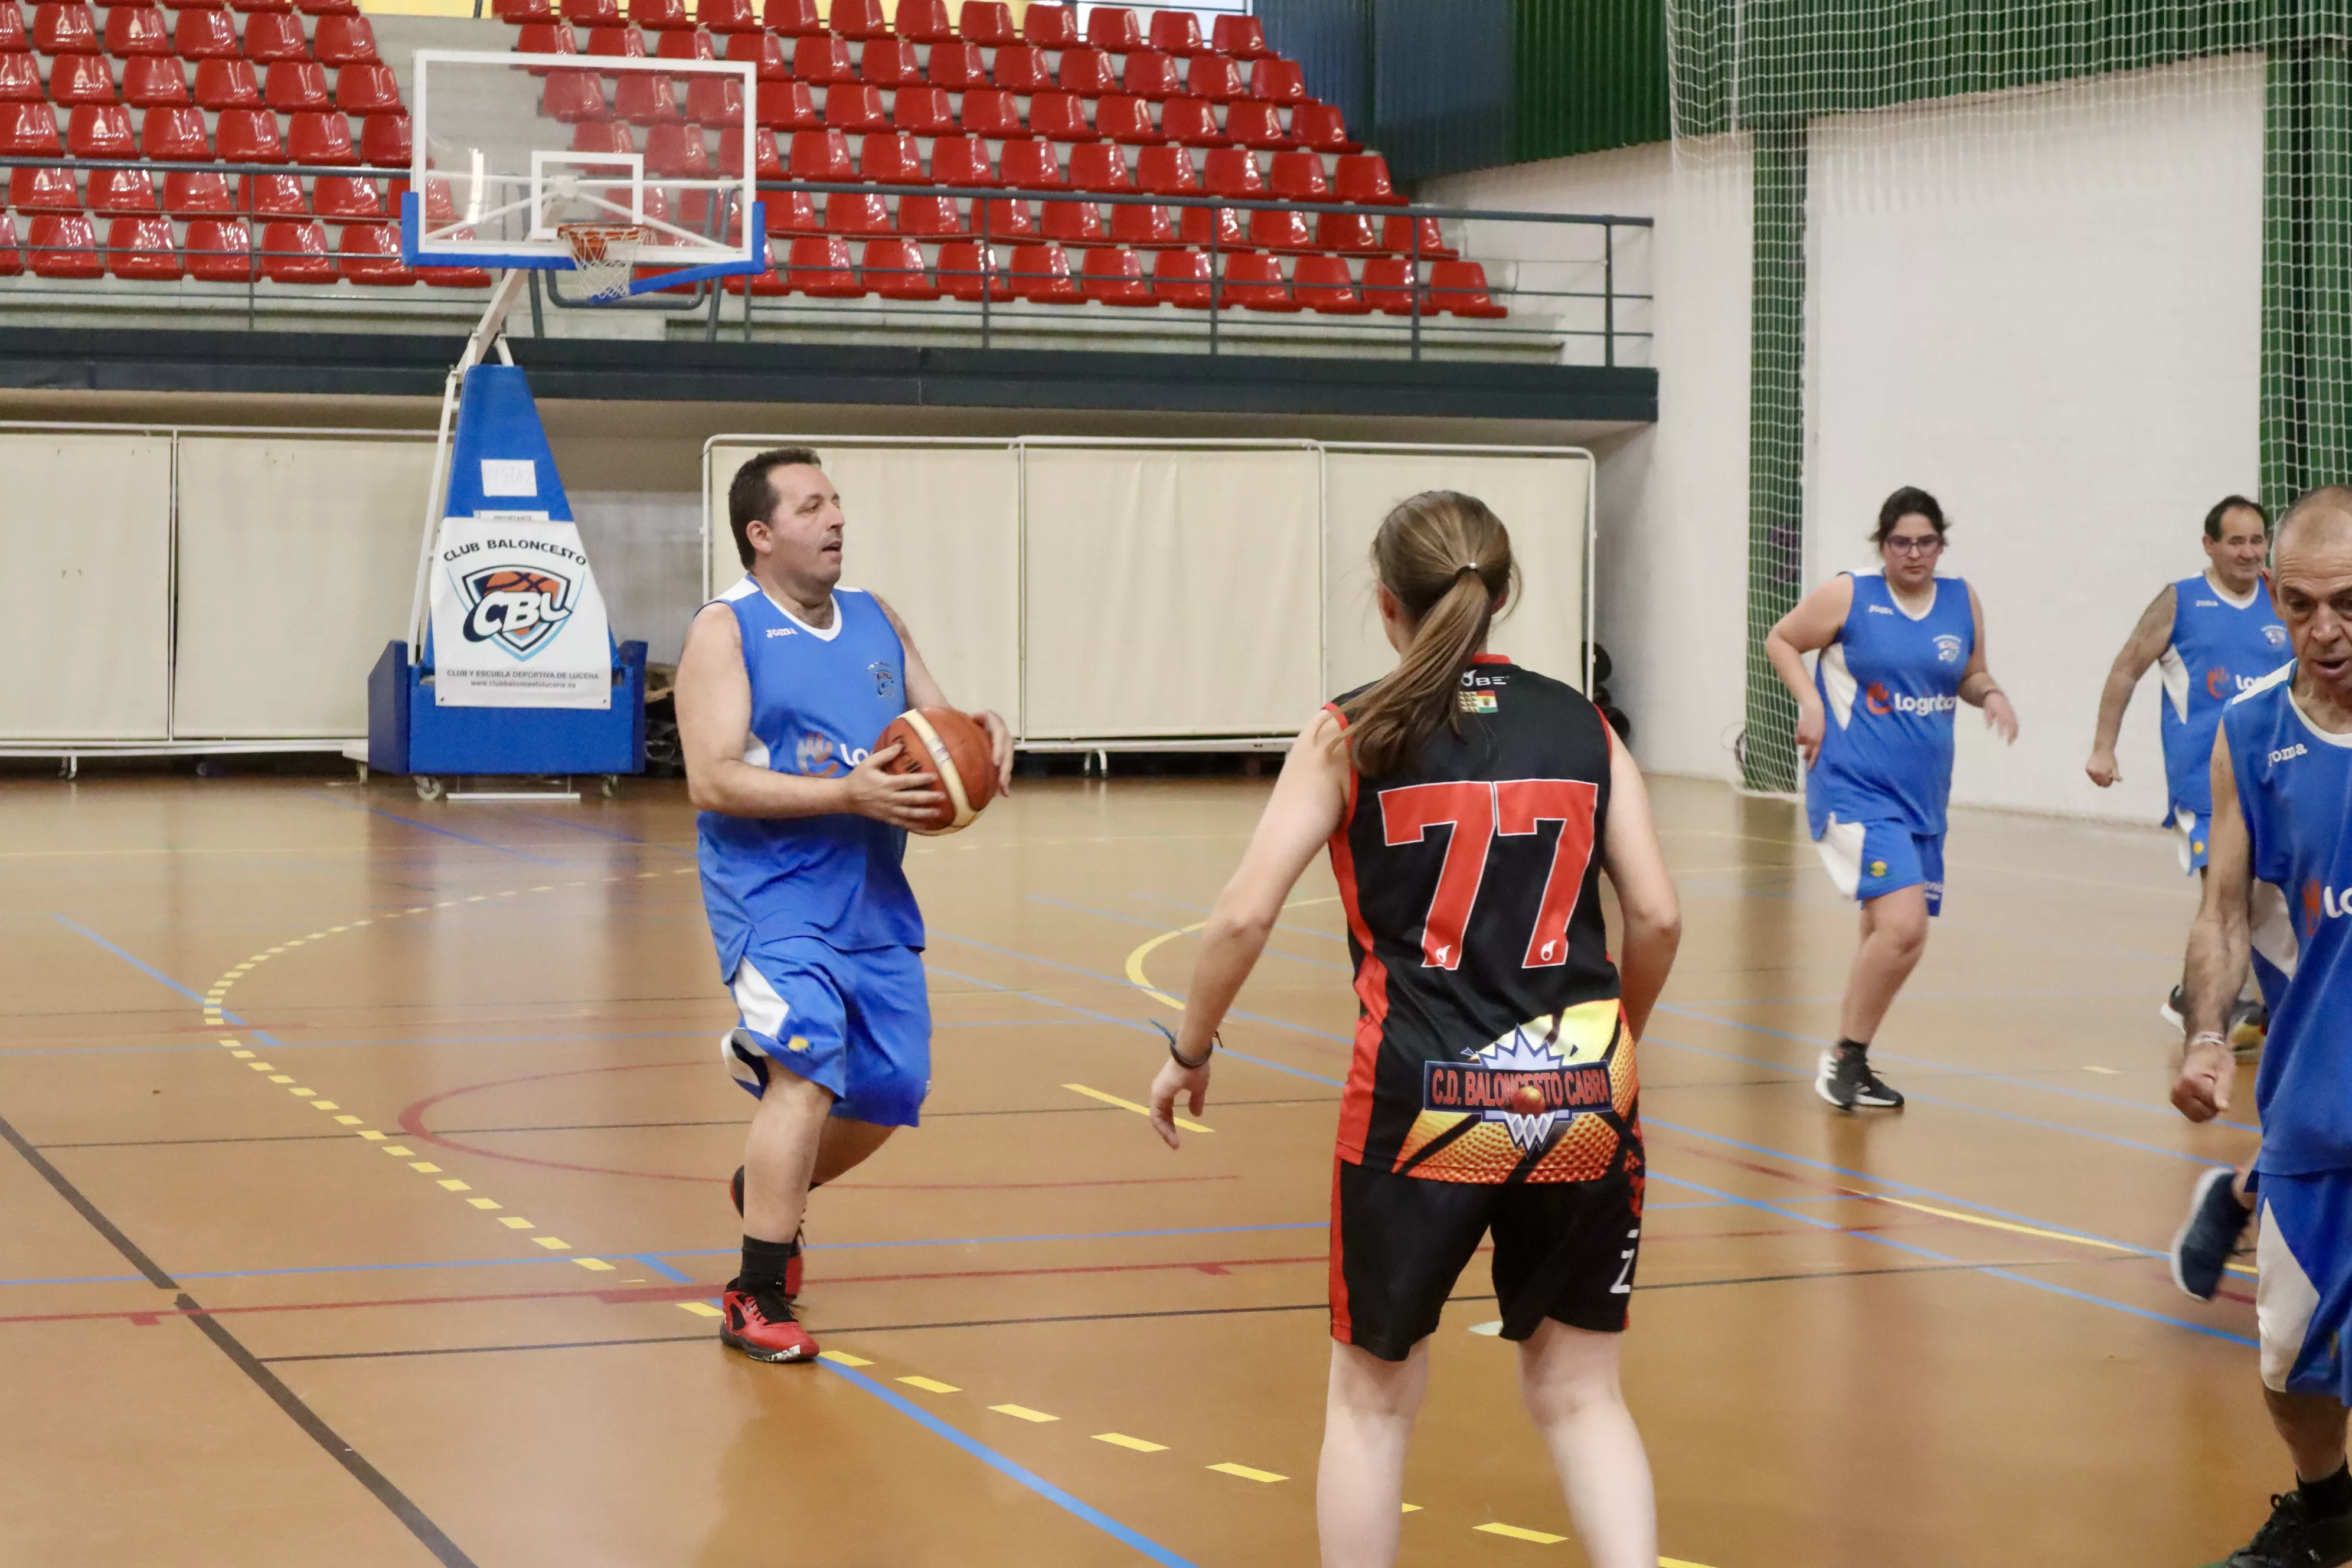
792 1269
760 1323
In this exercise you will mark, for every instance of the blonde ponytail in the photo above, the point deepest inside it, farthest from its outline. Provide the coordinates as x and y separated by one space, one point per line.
1447 559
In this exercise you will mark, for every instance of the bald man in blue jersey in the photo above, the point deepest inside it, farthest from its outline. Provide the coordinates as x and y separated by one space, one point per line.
2278 891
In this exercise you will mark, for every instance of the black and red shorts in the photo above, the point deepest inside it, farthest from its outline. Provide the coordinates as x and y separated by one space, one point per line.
1562 1249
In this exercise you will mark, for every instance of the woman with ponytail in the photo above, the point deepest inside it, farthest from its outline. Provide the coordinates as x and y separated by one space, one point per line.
1470 807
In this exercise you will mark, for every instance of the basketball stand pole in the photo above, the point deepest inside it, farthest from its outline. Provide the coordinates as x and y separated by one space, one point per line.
489 332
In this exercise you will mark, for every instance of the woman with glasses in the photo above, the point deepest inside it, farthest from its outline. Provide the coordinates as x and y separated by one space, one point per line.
1900 649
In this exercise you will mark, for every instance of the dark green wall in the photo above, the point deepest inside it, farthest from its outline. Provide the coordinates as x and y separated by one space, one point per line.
1586 74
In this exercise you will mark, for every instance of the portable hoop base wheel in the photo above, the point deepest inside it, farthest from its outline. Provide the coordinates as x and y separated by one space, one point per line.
605 255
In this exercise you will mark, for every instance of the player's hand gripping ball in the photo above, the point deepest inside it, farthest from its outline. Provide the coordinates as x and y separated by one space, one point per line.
955 747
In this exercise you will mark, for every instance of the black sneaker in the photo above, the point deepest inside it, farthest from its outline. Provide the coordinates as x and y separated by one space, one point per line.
2175 1010
1846 1081
792 1269
2292 1538
2249 1026
2209 1237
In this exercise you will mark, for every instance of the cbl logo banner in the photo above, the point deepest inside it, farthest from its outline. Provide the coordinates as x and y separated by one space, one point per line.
516 619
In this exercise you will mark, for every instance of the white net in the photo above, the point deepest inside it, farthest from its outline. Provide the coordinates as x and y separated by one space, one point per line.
605 255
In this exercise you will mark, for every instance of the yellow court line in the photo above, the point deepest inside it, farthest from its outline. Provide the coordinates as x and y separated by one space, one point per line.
1513 1532
1023 1413
1131 1105
1121 1440
844 1357
1247 1474
1143 981
2031 1230
700 1309
931 1386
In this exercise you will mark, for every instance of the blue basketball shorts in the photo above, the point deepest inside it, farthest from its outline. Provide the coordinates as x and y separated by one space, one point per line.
855 1024
2196 829
1871 859
2302 1289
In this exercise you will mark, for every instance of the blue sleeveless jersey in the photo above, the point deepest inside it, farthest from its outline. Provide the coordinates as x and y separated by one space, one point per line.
819 701
2218 650
1890 684
2294 789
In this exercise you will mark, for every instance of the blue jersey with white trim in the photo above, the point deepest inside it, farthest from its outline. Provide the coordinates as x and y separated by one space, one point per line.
2294 790
2219 649
1890 683
819 700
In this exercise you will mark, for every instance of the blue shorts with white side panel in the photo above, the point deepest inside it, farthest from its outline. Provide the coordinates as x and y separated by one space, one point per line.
857 1024
1871 859
2303 1292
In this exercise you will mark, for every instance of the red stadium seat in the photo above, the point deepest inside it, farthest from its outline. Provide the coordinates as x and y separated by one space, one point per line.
819 266
133 30
516 12
1277 81
272 196
572 97
1150 74
227 84
173 136
1322 126
1041 273
1166 172
328 7
370 253
768 283
292 87
20 77
320 138
205 36
678 152
1087 72
101 131
766 162
593 12
270 36
791 212
545 38
1364 177
793 18
347 198
251 5
890 62
856 107
1299 177
1254 125
660 15
764 49
1192 121
786 106
962 161
44 189
894 269
1459 289
713 100
1127 121
65 28
859 19
930 217
63 244
642 98
1180 278
1020 68
967 270
1176 32
14 39
219 250
684 44
989 111
956 66
80 78
1059 117
603 136
923 21
1214 79
150 81
199 193
1243 38
1073 223
1272 228
924 112
1232 171
295 252
728 16
1351 233
1389 286
1114 276
822 156
987 23
1256 283
1397 234
616 43
1029 166
1201 226
1113 27
30 130
384 141
455 277
1146 228
1098 167
821 60
1050 26
891 158
1002 218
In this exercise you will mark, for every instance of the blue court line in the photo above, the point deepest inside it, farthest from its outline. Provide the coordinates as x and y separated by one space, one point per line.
1003 1466
143 967
2010 1275
653 1265
428 827
1122 980
1156 925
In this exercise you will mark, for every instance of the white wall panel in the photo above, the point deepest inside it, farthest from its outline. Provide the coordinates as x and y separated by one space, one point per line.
297 558
86 592
1541 501
1173 592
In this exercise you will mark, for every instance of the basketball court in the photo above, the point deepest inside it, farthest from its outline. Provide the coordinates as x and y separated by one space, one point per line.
370 1166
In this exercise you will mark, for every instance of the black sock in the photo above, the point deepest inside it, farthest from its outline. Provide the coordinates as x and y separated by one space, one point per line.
764 1262
2330 1495
1855 1046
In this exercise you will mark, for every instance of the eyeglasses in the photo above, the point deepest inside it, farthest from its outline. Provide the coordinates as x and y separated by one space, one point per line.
1902 546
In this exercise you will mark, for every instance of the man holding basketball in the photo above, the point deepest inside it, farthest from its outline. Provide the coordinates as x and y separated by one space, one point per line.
786 681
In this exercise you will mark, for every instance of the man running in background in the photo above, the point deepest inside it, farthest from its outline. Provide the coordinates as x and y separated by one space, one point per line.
2277 889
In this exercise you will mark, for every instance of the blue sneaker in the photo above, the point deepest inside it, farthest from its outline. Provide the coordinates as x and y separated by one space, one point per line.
2209 1237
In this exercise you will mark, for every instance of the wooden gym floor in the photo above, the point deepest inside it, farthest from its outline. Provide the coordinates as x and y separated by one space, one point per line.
367 1194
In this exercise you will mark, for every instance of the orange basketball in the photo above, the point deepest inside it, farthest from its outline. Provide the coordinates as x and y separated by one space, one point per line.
953 746
1528 1101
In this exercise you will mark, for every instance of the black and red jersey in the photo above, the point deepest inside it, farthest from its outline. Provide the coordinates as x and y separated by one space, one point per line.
1490 1045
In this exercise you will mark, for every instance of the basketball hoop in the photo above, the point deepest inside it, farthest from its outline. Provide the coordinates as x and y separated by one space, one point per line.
605 255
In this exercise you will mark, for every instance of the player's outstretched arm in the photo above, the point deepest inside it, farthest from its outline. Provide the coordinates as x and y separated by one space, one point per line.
1636 867
2216 949
2142 648
1811 626
714 729
1308 800
1978 689
923 691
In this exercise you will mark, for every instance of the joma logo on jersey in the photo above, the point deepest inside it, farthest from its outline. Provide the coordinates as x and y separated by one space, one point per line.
520 608
1879 700
2288 753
